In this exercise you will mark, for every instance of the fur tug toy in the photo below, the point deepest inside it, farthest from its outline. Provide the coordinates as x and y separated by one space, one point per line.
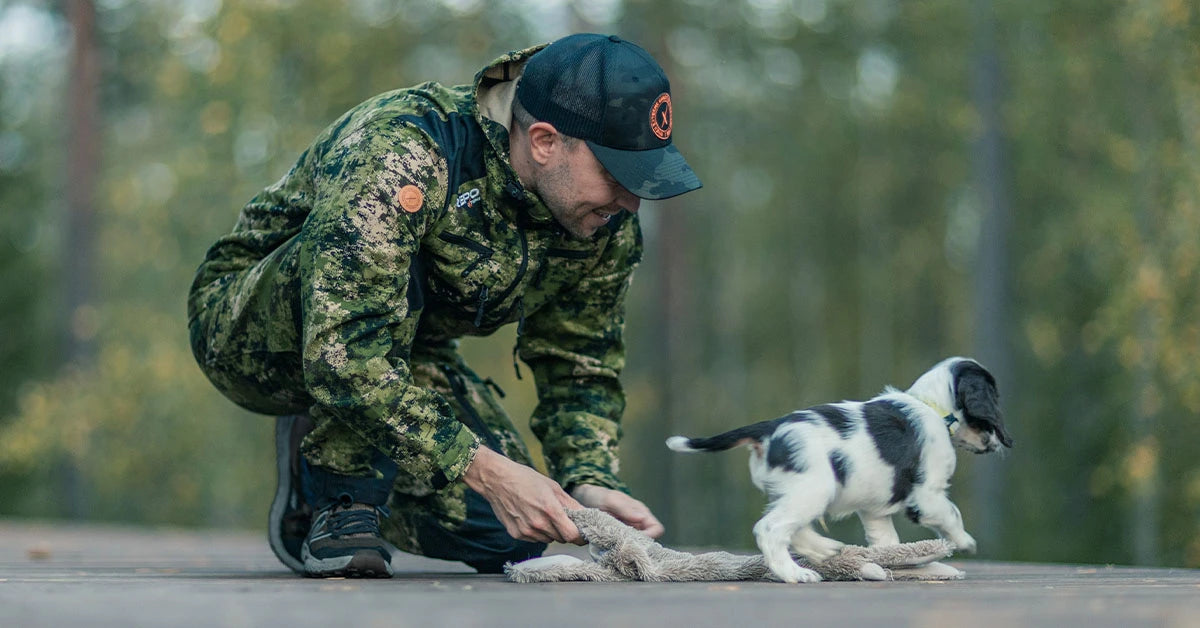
621 553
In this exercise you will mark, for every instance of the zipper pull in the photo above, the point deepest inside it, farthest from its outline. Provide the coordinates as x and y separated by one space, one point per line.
494 386
483 294
515 366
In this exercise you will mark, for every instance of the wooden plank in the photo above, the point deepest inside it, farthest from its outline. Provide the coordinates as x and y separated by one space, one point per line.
55 574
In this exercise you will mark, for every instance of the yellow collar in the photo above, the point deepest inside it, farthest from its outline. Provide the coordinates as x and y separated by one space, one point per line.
952 422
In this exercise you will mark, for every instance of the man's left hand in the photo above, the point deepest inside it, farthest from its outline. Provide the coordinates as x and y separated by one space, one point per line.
625 508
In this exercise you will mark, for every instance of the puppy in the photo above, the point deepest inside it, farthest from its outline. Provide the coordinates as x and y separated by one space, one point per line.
874 458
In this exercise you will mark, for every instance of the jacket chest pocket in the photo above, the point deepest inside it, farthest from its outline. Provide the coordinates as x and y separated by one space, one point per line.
458 273
477 281
476 253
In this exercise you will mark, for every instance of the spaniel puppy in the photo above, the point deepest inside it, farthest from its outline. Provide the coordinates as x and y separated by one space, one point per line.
874 458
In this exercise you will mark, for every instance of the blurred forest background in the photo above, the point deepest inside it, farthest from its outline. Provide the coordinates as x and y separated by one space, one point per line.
887 183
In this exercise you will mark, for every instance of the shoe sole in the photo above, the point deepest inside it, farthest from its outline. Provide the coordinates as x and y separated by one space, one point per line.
360 565
283 490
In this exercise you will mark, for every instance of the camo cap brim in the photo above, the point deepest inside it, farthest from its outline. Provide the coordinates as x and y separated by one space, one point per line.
652 174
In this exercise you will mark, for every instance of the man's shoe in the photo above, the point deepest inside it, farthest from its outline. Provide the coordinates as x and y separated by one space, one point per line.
291 516
345 542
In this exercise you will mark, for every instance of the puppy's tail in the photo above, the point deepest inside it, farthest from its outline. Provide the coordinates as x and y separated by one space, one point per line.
728 440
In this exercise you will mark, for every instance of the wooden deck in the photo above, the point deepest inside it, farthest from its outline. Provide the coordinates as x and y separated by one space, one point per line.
63 575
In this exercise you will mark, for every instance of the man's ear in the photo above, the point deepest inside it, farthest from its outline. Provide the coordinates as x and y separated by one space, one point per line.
544 141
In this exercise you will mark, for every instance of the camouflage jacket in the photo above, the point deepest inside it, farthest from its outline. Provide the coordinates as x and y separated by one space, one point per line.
404 223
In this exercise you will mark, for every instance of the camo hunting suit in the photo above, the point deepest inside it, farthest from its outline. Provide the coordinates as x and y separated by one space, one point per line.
344 287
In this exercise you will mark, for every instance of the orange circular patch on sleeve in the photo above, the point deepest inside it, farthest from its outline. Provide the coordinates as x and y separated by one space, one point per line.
410 198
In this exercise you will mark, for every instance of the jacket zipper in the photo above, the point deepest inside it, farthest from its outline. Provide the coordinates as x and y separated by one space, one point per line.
520 330
520 274
524 262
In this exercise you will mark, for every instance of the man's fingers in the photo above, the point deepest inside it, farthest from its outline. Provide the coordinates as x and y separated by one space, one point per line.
634 513
566 529
537 537
531 505
644 521
652 528
569 502
536 532
552 526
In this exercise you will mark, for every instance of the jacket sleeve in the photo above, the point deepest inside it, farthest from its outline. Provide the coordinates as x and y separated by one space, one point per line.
575 348
360 306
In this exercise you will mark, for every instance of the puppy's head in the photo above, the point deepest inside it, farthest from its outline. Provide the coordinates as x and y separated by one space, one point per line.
977 405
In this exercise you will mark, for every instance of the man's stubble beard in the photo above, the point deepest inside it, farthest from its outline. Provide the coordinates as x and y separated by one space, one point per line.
554 188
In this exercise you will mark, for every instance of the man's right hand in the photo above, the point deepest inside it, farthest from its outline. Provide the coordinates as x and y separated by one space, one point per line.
529 504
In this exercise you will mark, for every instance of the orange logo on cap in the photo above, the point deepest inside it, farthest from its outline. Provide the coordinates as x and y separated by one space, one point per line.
660 117
410 198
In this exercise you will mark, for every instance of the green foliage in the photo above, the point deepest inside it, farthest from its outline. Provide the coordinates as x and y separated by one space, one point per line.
831 251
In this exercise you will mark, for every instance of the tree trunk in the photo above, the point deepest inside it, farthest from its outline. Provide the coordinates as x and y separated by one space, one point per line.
991 296
77 322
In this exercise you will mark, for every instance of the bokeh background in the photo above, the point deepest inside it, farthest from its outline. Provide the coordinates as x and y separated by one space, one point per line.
887 182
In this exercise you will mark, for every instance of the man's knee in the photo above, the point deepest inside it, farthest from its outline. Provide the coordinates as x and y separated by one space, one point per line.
480 540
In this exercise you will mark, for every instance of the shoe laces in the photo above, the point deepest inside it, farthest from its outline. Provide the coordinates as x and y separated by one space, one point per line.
347 518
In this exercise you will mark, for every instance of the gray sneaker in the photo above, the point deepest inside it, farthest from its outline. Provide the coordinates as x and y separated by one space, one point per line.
345 541
291 516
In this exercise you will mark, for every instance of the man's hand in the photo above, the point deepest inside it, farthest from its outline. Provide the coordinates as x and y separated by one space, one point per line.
625 508
530 505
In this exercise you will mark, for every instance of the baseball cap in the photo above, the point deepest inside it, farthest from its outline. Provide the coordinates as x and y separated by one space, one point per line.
612 94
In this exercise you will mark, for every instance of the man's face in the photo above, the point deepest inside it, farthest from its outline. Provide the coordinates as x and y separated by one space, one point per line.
580 193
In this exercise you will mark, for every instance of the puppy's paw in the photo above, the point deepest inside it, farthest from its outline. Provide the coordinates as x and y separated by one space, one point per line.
792 573
807 576
800 575
964 543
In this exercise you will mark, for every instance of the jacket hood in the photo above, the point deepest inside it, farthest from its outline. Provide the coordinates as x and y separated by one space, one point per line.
495 88
496 85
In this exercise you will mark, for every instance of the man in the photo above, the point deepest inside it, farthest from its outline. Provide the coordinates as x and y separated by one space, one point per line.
420 216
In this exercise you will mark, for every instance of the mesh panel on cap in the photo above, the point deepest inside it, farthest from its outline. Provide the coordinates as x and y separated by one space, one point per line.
579 91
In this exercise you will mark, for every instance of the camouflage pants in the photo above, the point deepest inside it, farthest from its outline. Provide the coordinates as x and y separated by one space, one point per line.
233 317
454 523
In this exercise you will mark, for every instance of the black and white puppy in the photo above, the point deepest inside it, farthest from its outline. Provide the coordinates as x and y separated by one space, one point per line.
874 458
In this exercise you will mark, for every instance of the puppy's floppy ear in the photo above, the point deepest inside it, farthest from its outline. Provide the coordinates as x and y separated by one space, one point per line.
976 394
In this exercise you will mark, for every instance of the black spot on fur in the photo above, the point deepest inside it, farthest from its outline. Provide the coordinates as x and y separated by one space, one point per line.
913 514
837 419
799 416
841 466
976 393
781 453
896 439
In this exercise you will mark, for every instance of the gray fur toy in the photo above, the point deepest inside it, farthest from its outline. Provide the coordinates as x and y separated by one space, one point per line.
621 553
